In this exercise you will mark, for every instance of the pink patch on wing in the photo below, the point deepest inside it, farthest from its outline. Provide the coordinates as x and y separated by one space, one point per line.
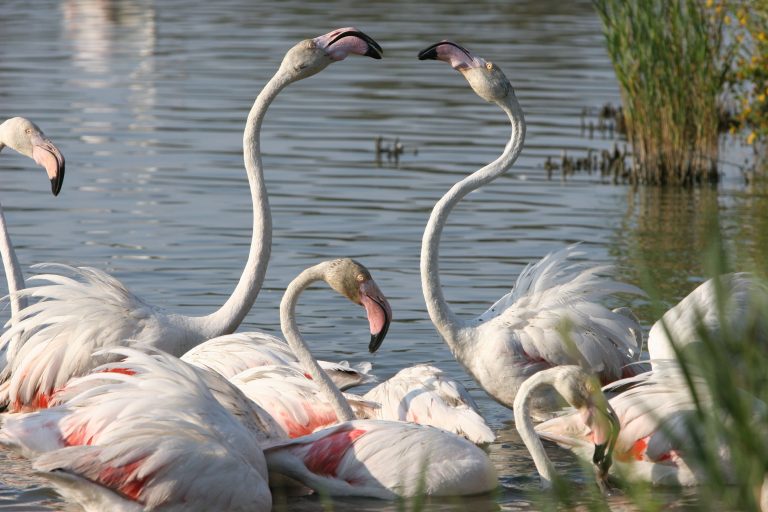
324 456
636 451
318 416
124 479
124 371
41 400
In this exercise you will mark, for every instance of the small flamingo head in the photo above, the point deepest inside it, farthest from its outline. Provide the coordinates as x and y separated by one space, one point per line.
352 280
311 56
25 137
485 77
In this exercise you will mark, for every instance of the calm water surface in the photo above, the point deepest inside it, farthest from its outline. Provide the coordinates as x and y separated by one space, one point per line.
148 101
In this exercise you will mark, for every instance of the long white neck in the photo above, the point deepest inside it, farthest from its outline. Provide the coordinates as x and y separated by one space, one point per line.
12 269
229 316
444 319
299 346
524 424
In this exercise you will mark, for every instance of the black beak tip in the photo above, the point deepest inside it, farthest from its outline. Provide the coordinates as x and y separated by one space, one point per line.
373 53
375 343
55 186
428 53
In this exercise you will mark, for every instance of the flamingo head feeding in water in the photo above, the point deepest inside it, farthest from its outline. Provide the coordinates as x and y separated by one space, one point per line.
23 136
313 55
585 395
485 77
352 280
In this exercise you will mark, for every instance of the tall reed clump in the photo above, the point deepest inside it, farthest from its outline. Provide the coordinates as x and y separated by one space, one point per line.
669 60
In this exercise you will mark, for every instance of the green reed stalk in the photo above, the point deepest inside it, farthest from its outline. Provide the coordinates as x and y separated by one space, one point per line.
669 60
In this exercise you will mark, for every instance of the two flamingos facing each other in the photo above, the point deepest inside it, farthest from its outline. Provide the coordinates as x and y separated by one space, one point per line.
75 316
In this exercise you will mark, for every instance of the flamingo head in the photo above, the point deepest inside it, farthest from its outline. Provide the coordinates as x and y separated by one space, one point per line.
583 392
313 55
352 280
24 136
485 77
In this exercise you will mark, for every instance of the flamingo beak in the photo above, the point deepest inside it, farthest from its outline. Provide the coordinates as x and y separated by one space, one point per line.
46 154
605 429
378 310
343 41
455 55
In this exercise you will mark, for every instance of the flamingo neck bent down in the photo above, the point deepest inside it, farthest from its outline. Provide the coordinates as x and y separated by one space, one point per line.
524 423
444 319
299 346
229 316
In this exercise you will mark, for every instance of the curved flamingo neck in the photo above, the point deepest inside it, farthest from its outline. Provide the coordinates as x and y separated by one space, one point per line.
524 423
229 316
299 346
12 269
444 319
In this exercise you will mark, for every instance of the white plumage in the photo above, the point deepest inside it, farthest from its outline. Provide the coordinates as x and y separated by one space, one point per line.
553 316
384 459
425 394
235 353
144 433
744 298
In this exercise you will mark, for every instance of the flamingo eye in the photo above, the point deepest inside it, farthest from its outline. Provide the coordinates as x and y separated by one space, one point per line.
28 130
489 66
360 278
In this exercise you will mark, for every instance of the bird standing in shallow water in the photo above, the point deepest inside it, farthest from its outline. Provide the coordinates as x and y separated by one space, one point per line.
553 315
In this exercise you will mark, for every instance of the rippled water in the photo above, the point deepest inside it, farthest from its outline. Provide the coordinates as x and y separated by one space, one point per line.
148 101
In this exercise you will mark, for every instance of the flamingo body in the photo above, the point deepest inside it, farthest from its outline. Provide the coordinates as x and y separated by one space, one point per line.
296 403
744 297
384 459
144 433
235 353
425 394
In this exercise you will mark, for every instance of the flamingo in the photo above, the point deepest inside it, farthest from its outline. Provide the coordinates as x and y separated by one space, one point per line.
522 333
597 418
654 412
744 297
427 395
232 354
295 402
375 458
144 433
25 137
76 315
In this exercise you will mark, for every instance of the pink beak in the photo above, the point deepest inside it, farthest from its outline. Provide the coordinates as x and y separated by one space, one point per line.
343 41
378 310
50 158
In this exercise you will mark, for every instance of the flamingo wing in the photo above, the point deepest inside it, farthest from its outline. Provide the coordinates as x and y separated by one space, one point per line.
384 459
231 354
425 394
554 297
146 430
71 319
743 297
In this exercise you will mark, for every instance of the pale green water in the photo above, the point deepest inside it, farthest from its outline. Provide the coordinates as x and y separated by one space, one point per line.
148 100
